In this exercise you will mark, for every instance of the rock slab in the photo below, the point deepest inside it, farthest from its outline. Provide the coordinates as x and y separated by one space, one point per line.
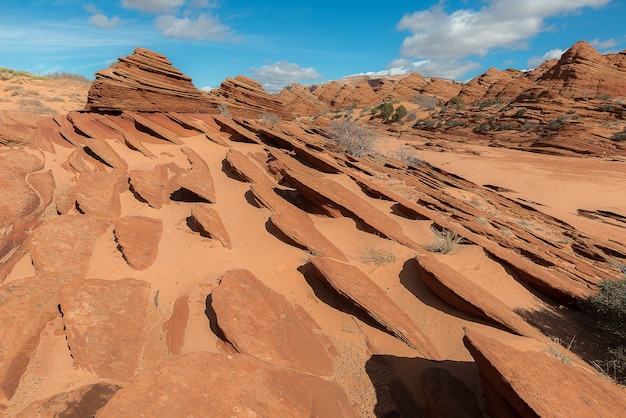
203 384
105 324
260 322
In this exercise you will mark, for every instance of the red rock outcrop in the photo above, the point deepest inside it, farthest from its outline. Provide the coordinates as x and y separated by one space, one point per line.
262 323
254 387
61 248
145 81
243 97
295 224
355 285
105 324
207 222
582 72
537 382
138 239
85 401
21 331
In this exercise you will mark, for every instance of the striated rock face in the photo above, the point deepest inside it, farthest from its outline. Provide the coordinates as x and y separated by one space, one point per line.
145 81
246 98
582 72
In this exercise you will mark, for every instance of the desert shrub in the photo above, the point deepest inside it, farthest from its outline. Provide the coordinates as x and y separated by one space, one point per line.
602 96
608 307
619 136
400 113
379 257
452 123
405 155
352 137
483 127
505 126
444 242
427 102
271 118
34 105
223 108
68 76
520 112
457 102
554 125
385 110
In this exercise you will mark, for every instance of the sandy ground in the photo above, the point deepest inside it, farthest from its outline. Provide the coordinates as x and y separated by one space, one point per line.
41 95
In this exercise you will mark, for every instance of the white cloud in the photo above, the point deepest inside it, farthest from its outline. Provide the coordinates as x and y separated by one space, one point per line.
153 6
443 68
536 61
204 27
598 44
101 21
275 76
436 34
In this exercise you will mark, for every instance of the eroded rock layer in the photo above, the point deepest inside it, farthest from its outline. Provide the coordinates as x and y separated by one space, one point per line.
145 81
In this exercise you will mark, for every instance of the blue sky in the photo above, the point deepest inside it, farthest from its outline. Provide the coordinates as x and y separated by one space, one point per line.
280 42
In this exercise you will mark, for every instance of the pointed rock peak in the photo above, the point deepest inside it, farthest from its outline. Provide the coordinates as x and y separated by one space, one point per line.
580 51
145 81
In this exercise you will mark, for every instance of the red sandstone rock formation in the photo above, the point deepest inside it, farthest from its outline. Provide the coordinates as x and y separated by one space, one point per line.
582 72
148 82
244 97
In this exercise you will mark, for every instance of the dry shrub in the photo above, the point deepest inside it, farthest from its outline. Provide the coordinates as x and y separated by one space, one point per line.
270 118
445 241
352 137
379 256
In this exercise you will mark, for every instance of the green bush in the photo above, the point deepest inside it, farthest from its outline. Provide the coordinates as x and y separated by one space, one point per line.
400 113
457 102
619 136
386 110
608 307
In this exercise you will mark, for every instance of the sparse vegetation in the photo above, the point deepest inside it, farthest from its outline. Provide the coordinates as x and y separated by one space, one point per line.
445 241
383 110
352 137
619 137
400 113
379 257
271 118
427 102
223 108
405 155
608 307
457 102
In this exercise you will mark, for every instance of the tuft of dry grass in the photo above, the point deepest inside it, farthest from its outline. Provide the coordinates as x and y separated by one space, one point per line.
444 242
379 257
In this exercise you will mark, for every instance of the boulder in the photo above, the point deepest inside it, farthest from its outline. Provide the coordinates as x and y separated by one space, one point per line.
197 179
